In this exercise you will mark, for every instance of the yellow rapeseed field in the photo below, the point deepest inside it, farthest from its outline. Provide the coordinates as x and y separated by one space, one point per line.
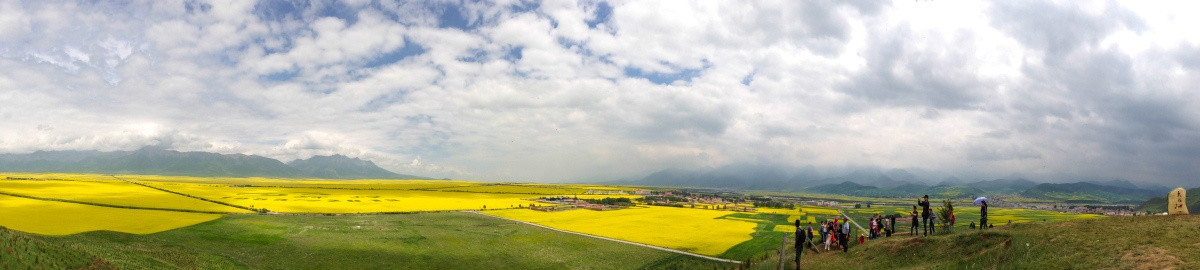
58 218
539 189
89 188
322 183
818 210
322 200
693 230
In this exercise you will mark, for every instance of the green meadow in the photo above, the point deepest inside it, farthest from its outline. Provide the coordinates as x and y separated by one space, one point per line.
398 241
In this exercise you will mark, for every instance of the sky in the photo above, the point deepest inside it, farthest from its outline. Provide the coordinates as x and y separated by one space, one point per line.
594 90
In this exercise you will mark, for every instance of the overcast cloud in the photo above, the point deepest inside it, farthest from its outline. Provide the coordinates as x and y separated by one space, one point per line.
601 90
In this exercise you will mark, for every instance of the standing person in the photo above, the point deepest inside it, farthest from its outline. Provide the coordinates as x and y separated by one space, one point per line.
933 217
873 227
845 237
879 221
879 231
809 232
801 241
983 214
828 240
952 220
882 226
886 227
924 203
824 229
811 239
893 222
916 225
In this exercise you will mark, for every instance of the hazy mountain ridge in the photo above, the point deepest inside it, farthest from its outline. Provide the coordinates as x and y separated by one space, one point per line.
1003 186
343 167
151 160
898 183
1088 192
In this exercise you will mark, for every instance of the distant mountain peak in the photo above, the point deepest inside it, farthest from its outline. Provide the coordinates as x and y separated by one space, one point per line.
163 161
340 166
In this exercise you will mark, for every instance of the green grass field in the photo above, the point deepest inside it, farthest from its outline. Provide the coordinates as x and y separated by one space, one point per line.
403 241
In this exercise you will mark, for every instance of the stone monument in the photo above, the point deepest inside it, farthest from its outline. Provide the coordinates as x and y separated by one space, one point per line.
1177 202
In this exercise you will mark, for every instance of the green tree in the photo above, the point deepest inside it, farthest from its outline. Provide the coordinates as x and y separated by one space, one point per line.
944 214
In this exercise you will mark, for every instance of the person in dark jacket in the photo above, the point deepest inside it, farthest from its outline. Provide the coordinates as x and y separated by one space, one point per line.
924 203
892 224
983 214
801 241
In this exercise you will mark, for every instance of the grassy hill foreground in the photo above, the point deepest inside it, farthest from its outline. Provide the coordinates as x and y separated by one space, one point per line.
1144 242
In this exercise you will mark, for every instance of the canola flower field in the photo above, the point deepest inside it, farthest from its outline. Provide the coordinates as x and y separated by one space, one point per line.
59 218
57 203
694 230
343 201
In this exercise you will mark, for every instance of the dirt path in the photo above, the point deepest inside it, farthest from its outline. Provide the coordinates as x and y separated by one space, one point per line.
615 240
860 227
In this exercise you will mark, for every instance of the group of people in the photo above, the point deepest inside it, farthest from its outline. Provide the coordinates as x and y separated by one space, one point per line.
836 233
882 226
929 218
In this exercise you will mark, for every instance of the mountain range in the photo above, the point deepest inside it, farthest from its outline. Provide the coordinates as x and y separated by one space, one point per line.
152 160
899 183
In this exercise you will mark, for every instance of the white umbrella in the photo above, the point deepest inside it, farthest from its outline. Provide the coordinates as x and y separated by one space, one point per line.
980 200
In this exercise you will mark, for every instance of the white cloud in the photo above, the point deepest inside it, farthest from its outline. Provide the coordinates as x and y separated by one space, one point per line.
542 96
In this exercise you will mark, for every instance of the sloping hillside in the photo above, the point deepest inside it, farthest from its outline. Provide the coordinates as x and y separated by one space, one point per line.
21 251
1144 242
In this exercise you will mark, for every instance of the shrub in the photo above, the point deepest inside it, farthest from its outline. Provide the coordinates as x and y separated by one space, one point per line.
944 214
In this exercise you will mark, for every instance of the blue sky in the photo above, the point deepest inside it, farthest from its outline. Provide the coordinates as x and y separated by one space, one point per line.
603 90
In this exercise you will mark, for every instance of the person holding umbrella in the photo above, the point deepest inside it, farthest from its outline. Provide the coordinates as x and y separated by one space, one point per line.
982 203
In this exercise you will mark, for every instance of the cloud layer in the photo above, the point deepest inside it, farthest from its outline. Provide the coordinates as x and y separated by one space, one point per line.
598 90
